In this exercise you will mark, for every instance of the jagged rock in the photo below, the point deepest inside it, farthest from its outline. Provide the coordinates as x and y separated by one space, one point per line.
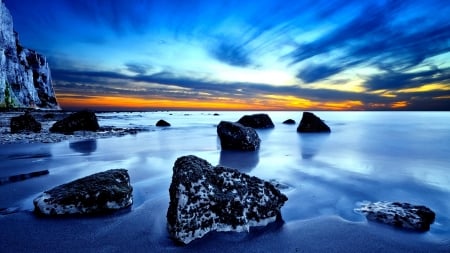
310 123
235 136
162 123
25 123
25 79
98 193
257 121
79 121
204 198
397 214
289 122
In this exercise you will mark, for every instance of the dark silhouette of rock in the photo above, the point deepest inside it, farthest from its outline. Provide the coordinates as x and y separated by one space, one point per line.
49 116
234 136
403 215
204 198
79 121
162 123
25 123
310 123
85 146
257 121
22 177
98 193
289 122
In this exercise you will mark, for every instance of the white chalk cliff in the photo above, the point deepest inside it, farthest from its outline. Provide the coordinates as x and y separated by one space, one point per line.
25 79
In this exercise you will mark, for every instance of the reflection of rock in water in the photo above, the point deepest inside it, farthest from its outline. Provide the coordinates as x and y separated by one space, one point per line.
84 147
243 161
310 144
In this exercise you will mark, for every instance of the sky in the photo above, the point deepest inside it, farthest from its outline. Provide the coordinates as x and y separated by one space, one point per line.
242 55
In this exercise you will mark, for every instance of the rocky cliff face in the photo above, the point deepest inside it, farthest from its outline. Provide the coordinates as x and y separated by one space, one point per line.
25 79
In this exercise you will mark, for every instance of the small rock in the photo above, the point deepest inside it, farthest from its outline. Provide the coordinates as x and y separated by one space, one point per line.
162 123
25 123
257 121
289 122
234 136
310 123
204 198
397 214
98 193
79 121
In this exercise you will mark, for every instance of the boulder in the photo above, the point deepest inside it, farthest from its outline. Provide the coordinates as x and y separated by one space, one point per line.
234 136
260 120
204 198
289 122
98 193
310 123
397 214
25 123
162 123
79 121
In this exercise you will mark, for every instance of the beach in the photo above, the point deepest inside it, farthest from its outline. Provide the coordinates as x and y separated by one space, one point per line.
369 156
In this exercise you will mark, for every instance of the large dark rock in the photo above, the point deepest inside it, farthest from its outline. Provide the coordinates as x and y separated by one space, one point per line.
257 121
25 123
397 214
310 123
204 198
234 136
99 193
79 121
162 123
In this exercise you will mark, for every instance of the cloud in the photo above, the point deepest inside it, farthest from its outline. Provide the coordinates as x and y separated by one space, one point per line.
233 55
138 68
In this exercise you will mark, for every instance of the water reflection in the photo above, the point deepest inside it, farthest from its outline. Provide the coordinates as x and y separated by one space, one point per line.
85 147
243 161
310 143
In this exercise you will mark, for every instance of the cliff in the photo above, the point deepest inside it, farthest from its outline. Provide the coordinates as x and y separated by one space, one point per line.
25 79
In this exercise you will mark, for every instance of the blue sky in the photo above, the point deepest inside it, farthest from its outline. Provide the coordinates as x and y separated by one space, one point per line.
267 54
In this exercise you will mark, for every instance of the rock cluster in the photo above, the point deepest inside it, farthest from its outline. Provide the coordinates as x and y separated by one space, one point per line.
95 194
310 123
397 214
79 121
25 123
234 136
257 121
204 198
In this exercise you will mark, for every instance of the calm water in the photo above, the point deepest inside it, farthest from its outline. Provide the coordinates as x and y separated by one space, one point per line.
374 156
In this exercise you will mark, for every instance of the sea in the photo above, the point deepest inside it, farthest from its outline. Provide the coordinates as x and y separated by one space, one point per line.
368 156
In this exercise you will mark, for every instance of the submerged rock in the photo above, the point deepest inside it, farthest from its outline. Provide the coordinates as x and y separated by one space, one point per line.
162 123
98 193
25 123
79 121
310 123
234 136
260 120
397 214
204 198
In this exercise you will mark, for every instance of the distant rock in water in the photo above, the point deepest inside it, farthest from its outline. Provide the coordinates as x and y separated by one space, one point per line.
25 123
25 79
162 123
310 123
204 198
79 121
234 136
98 193
22 177
397 214
257 121
289 122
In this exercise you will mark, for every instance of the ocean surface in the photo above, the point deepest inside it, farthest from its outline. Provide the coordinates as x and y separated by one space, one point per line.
368 156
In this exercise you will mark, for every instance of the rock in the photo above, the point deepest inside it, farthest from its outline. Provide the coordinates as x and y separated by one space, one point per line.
289 122
98 193
79 121
310 123
25 79
22 177
257 121
397 214
234 136
162 123
204 198
25 123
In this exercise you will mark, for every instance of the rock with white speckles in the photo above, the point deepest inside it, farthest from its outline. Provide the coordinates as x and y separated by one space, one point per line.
204 198
98 193
235 136
397 214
